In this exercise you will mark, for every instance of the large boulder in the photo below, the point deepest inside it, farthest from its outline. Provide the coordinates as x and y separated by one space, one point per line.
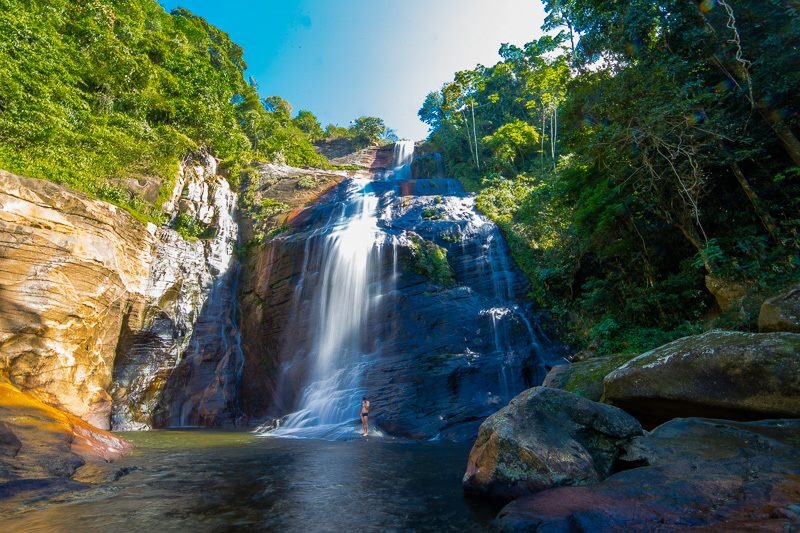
697 473
781 313
720 373
38 441
546 438
585 378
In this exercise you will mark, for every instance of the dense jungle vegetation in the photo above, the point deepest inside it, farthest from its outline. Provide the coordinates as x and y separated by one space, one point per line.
95 94
641 158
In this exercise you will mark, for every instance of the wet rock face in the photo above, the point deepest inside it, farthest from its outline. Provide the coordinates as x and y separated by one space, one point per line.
441 353
698 473
178 361
726 374
546 438
70 268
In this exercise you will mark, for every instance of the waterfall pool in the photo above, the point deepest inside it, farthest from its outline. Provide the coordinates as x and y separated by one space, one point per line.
234 481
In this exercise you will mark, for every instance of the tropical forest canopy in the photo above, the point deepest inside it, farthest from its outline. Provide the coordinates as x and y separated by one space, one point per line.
640 153
93 93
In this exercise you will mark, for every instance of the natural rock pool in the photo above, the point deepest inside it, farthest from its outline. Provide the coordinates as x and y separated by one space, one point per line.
226 481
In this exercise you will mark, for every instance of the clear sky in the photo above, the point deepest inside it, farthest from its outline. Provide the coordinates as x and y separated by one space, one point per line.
342 59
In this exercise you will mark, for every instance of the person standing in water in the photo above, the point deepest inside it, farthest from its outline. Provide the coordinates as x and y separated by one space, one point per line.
364 416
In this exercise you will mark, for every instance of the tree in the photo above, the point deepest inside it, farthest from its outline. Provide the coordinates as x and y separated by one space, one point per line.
511 143
367 130
431 111
279 107
308 123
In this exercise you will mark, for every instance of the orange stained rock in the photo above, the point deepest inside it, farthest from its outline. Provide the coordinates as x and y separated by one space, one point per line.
41 428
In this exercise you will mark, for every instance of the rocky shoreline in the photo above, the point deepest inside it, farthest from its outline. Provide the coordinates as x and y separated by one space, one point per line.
723 455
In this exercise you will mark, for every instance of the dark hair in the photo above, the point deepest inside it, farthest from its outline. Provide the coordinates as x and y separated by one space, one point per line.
363 398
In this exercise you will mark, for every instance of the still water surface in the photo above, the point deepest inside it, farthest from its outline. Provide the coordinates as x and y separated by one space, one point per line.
224 481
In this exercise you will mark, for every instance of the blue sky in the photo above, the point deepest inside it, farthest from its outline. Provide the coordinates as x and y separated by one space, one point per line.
344 58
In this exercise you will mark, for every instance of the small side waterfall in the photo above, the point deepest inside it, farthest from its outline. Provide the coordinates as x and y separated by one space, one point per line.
403 154
179 359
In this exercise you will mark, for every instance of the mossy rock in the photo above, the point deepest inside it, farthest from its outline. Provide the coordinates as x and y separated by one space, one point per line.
430 260
721 374
585 378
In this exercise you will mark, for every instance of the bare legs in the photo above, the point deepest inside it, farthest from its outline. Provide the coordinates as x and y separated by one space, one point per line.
364 426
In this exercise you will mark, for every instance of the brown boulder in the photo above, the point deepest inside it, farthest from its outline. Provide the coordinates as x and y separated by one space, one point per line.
719 373
781 313
546 438
728 293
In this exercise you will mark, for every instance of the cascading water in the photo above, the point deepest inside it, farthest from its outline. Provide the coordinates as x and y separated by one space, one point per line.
348 255
366 318
403 154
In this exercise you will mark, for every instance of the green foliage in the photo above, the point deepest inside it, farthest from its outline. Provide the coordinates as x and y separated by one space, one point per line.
270 207
430 260
307 182
332 131
308 124
672 158
368 130
190 228
512 143
93 92
431 213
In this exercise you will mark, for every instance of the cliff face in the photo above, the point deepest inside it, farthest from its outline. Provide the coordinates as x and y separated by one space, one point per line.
178 359
70 269
95 305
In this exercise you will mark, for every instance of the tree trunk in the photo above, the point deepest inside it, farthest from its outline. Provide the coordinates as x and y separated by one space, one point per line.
788 139
688 231
758 207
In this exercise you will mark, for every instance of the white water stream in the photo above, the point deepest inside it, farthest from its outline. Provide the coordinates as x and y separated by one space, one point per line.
349 287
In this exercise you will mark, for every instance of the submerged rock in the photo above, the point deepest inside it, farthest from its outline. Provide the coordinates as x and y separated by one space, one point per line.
546 438
707 474
38 441
781 313
585 377
725 374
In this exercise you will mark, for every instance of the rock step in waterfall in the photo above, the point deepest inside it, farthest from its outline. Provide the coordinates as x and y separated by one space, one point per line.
400 291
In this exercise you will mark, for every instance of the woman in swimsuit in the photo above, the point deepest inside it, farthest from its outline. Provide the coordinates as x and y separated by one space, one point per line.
364 416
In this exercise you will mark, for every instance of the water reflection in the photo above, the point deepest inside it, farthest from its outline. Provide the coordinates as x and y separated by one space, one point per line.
213 481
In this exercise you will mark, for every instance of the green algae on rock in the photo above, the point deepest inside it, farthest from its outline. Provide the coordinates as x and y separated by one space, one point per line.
719 373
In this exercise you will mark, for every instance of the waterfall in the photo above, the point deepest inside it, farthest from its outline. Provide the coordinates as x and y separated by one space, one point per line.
403 153
348 256
364 318
402 156
181 364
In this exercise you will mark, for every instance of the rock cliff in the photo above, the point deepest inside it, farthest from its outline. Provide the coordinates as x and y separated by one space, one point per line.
70 269
98 308
448 340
